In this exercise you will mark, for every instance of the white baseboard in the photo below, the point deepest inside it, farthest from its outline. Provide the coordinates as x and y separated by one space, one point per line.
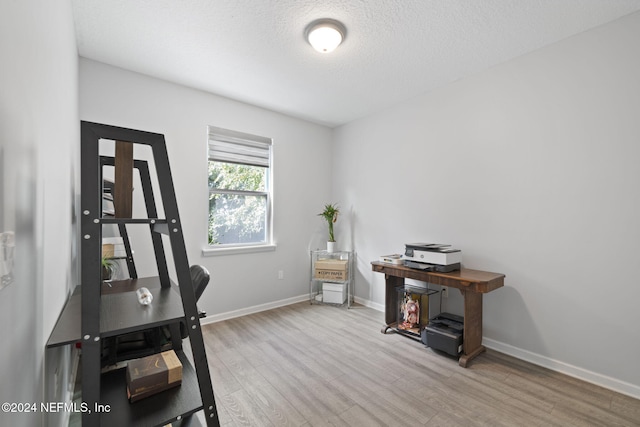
368 303
254 309
565 368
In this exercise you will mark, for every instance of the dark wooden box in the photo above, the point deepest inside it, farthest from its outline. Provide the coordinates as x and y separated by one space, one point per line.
152 374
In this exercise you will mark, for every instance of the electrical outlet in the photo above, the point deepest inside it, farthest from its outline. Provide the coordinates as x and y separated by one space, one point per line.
444 292
280 274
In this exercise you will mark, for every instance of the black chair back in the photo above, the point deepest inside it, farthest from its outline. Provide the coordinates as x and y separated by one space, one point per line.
200 278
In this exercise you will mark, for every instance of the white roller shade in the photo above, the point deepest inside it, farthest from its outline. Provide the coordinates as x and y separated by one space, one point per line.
237 147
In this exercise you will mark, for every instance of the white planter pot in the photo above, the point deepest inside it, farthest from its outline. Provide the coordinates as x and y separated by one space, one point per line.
331 247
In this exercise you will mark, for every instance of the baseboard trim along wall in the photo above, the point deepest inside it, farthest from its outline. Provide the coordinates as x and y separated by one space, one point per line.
537 359
370 304
565 368
254 309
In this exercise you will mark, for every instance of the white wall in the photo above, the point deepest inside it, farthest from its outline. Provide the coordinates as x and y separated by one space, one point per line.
301 179
39 134
531 168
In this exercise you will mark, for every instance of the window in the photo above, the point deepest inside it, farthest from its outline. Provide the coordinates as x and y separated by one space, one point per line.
239 189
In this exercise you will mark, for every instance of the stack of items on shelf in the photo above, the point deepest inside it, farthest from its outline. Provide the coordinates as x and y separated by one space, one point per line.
332 270
395 259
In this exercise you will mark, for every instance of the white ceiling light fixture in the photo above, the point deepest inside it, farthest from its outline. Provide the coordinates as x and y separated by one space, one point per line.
325 34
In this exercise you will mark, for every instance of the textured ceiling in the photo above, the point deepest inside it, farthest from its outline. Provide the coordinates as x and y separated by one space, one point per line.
253 50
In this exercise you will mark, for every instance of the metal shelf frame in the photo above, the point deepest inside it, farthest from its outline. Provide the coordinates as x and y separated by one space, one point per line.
92 306
315 284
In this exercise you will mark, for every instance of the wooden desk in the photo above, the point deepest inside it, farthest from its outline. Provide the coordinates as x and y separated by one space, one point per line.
471 283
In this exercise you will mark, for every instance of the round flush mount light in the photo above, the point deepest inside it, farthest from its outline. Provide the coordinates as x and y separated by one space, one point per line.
325 34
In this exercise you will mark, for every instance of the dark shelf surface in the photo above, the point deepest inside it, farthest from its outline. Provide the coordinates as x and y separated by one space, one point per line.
160 225
340 282
113 220
413 333
120 311
417 290
156 410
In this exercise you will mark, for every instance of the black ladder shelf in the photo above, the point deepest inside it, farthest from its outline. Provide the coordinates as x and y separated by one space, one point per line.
105 314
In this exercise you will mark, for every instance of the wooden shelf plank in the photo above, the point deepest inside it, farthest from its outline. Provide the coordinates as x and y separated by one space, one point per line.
67 328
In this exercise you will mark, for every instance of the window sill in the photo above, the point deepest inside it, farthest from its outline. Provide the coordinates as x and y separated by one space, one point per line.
211 251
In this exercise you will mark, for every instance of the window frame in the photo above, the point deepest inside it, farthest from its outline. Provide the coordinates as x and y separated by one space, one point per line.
238 139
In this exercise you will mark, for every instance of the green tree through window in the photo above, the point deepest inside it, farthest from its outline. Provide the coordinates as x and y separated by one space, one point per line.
237 203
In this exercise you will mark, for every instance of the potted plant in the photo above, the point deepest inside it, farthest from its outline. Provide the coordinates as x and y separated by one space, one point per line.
109 268
330 214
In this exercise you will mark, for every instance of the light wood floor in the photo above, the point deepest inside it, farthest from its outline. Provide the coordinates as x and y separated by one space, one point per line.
305 365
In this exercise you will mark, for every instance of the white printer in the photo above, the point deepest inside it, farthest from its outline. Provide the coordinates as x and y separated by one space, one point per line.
432 257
